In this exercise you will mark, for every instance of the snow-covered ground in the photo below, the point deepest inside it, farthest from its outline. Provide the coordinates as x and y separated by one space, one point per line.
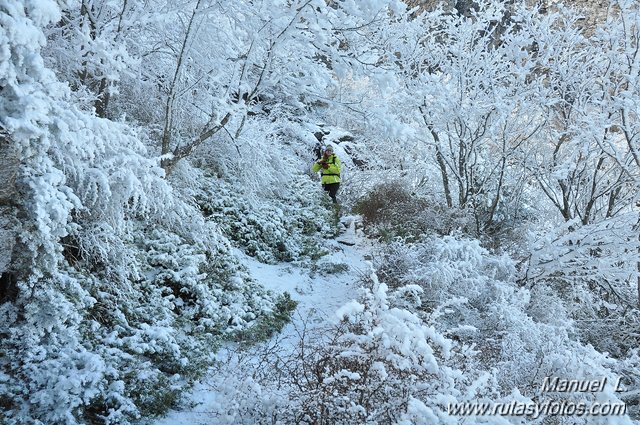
319 294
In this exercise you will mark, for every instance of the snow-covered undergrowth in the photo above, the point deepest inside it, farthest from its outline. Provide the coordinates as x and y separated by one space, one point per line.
287 228
523 335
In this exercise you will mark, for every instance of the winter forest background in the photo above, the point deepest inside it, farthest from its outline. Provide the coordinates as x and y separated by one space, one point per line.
492 150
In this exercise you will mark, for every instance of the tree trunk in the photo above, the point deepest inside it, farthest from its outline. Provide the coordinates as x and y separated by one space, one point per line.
445 177
496 200
440 159
168 113
102 101
9 165
181 152
637 229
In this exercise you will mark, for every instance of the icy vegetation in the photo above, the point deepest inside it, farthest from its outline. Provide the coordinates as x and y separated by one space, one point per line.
152 153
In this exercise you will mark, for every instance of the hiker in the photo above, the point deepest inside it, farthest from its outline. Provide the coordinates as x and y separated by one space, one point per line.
329 166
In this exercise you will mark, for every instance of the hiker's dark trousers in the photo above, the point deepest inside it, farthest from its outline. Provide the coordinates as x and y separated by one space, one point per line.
332 188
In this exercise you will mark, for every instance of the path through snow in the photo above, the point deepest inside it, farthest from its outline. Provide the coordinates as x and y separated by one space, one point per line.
319 295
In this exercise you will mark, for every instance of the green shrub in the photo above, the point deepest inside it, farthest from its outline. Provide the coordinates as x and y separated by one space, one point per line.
274 230
329 268
269 324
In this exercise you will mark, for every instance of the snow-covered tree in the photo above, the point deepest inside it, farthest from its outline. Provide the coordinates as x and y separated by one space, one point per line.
113 279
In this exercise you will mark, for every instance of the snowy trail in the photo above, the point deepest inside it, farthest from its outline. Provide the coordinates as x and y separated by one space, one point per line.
319 295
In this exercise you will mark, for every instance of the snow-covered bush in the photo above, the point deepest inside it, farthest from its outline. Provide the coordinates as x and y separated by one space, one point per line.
380 363
277 229
596 266
390 210
471 296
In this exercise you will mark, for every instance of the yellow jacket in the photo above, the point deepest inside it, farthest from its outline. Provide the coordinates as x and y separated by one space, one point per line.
331 174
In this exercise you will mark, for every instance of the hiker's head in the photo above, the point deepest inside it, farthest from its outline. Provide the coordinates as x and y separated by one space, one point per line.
328 150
